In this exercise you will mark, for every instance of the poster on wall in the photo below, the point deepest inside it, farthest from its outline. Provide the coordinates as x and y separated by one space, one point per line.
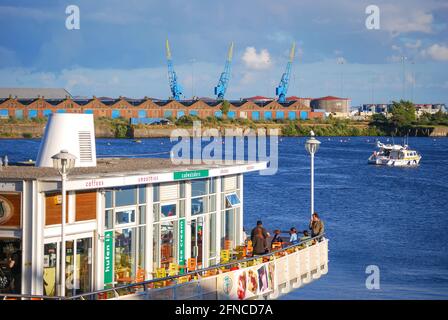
247 283
10 209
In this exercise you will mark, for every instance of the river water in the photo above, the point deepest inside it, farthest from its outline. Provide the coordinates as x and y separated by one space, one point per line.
392 218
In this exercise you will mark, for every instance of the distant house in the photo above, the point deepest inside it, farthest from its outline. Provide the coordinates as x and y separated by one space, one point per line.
34 93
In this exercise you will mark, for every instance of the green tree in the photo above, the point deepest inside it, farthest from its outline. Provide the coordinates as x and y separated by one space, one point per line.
225 108
403 114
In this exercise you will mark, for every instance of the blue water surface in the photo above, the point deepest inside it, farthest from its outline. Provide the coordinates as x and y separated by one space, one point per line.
394 218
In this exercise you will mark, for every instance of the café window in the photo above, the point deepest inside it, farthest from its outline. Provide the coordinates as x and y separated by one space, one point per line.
232 200
125 216
168 210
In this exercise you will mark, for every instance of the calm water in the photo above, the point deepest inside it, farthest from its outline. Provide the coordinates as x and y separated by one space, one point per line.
394 218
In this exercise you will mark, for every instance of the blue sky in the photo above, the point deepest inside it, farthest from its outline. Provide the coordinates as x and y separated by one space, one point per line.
119 48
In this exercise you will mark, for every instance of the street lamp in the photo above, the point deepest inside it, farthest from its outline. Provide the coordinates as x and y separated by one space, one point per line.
63 162
311 145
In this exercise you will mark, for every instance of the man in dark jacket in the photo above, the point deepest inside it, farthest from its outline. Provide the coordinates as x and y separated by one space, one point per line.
254 231
316 226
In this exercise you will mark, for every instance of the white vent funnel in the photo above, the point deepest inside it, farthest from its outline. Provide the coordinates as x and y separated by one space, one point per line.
72 132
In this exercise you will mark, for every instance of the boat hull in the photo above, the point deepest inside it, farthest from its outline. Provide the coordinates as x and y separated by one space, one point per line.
395 162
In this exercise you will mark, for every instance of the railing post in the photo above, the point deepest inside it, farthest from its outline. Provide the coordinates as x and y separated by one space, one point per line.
298 281
318 273
287 287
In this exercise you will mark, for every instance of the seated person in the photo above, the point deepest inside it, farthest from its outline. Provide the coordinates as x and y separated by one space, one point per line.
293 239
276 238
305 237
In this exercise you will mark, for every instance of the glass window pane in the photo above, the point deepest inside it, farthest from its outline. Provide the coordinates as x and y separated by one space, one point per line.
141 254
142 215
109 203
125 196
168 210
142 194
50 269
108 219
155 192
125 252
155 246
212 235
213 203
125 216
168 243
212 185
83 265
198 205
232 200
156 212
182 189
181 208
198 187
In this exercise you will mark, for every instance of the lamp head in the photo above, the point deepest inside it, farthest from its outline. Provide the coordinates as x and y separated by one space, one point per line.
63 161
312 144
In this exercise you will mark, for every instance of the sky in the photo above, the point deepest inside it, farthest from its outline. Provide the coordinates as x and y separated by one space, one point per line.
119 48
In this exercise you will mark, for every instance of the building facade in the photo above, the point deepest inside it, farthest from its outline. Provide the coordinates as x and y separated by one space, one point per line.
122 224
145 110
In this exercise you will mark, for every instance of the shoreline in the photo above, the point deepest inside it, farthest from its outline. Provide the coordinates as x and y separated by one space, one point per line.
110 129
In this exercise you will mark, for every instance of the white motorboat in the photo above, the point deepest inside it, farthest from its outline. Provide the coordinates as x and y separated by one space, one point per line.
394 155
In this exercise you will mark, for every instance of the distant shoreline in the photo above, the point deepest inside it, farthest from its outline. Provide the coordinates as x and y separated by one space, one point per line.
111 129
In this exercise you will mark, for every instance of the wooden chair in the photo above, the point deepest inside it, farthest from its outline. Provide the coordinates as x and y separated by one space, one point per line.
173 269
191 264
276 246
225 256
249 248
160 273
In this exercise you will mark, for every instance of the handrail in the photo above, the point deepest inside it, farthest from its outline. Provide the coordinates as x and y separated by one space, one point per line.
147 282
5 296
192 273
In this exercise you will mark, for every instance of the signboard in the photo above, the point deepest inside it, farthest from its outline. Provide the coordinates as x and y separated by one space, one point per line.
247 283
108 257
193 174
182 242
106 182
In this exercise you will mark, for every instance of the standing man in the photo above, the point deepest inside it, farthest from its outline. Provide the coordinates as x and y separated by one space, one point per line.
316 226
263 231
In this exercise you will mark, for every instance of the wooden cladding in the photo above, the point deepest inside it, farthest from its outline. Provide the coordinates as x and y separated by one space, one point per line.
85 207
10 209
53 209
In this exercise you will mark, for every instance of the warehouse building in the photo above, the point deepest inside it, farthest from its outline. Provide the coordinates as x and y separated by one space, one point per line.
146 109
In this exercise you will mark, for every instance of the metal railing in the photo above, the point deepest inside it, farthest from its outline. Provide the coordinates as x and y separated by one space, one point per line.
145 285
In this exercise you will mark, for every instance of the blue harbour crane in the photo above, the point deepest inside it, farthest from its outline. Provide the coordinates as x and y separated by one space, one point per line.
175 87
220 89
282 88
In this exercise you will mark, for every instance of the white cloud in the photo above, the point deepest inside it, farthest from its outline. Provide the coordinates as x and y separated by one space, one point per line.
399 20
257 61
437 52
416 45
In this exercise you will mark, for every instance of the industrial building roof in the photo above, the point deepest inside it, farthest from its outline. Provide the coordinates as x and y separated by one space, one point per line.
33 93
331 98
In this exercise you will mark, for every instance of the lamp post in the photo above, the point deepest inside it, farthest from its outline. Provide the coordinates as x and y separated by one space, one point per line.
63 162
311 145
